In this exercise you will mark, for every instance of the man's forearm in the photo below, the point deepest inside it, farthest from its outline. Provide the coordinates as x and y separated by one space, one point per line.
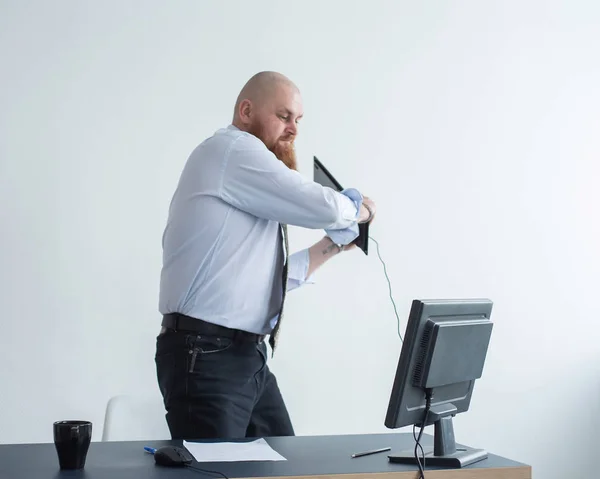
320 253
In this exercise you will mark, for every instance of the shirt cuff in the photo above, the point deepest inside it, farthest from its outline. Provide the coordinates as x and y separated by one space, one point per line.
297 270
343 237
357 198
347 235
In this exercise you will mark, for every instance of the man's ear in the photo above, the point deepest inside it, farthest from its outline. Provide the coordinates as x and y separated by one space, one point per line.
245 111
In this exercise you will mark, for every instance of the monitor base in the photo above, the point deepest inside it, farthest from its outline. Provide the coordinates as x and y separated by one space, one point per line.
460 458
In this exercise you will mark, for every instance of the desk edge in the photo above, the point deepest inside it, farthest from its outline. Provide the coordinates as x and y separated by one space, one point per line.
511 472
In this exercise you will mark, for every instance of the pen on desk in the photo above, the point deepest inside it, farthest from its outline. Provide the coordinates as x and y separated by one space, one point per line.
368 453
151 450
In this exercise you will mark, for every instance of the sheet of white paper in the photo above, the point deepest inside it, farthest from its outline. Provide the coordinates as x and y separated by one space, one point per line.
258 450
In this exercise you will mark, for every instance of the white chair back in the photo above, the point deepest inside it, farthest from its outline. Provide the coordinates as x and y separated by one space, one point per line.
135 418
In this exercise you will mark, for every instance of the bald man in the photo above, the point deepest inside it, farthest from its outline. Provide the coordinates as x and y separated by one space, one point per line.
226 268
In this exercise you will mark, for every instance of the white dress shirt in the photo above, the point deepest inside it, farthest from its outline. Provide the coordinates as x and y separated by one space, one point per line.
222 247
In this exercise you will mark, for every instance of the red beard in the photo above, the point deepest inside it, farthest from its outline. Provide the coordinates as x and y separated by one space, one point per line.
285 151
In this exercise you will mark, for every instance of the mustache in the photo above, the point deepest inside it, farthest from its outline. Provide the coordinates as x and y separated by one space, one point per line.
287 138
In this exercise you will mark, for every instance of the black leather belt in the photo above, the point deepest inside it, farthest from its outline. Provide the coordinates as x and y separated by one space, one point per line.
181 322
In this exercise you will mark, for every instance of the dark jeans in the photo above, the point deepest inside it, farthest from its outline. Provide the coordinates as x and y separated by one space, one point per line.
218 387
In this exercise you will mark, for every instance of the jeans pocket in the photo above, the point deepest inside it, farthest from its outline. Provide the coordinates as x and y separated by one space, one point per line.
205 345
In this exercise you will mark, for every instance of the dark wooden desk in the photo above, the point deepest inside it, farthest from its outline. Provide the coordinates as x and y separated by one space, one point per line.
308 457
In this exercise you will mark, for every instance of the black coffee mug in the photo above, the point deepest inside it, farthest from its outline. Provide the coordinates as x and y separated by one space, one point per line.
72 441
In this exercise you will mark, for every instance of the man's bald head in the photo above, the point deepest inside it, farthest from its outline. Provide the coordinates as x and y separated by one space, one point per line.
269 107
261 88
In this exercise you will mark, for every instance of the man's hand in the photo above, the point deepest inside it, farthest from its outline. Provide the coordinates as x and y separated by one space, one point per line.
326 249
367 210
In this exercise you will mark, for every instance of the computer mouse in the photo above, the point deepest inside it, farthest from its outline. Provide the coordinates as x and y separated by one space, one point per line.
172 456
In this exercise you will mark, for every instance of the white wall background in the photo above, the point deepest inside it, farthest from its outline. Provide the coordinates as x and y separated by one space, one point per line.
475 126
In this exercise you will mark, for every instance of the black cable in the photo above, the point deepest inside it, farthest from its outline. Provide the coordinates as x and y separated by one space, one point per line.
428 394
420 447
389 286
206 471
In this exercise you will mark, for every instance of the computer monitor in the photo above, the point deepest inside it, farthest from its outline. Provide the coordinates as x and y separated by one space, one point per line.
443 353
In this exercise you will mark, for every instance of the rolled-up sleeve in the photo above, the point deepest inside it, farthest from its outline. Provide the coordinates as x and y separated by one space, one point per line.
298 269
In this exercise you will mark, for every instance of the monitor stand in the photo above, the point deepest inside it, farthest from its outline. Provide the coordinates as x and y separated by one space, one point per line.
444 452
